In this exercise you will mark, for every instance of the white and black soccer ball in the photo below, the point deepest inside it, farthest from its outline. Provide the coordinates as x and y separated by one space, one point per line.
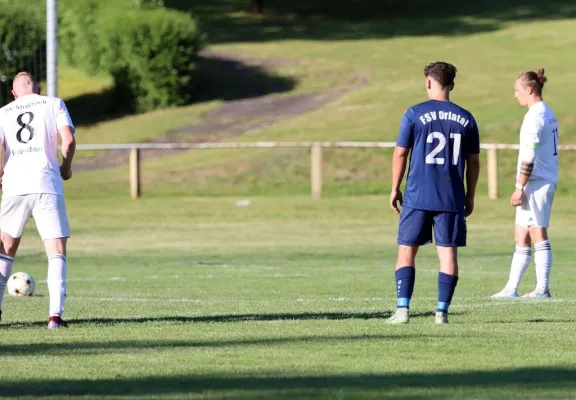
20 284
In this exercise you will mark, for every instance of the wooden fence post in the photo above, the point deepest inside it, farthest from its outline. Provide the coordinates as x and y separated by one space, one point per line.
493 173
316 171
135 173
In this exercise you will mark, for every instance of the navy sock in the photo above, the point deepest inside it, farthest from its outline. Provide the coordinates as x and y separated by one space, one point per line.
405 277
446 286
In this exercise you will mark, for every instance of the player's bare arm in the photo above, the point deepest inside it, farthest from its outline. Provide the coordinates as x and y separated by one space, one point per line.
399 160
528 155
472 174
68 150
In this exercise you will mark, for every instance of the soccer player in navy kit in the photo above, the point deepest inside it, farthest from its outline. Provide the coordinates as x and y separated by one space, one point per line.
444 143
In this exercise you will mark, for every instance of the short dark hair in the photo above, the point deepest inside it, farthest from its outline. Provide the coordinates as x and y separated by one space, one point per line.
441 71
534 79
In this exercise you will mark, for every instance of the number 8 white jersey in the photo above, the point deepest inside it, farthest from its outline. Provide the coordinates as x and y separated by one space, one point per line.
29 132
540 132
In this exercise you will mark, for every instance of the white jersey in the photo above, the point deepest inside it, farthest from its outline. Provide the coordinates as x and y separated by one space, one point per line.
29 131
540 132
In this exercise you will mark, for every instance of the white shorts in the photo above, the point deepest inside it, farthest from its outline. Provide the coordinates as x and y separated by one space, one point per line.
48 210
537 204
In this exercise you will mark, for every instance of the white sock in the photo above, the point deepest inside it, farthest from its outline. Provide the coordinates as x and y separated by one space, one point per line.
543 260
6 263
520 263
57 284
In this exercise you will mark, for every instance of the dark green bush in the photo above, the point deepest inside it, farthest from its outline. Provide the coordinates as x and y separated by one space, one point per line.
22 43
152 56
149 50
77 33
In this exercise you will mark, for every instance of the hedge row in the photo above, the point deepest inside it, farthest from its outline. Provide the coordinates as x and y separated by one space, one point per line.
22 44
151 55
77 31
150 51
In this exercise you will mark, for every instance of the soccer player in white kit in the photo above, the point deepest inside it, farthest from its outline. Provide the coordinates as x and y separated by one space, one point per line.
536 182
32 182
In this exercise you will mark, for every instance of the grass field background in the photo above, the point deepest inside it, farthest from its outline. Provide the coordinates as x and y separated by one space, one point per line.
184 294
286 298
375 59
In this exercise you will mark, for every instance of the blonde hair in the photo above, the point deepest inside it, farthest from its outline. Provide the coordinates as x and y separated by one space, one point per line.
35 87
534 80
23 73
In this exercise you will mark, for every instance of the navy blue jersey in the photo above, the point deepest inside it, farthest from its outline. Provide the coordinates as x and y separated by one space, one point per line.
440 135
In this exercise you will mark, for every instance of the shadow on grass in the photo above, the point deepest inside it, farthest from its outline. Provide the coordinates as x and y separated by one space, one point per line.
226 20
87 348
218 77
224 318
92 108
225 77
492 384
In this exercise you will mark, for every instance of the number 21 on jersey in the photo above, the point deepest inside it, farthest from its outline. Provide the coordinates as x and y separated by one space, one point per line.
432 157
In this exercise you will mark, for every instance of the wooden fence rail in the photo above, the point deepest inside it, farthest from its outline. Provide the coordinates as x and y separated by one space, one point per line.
315 164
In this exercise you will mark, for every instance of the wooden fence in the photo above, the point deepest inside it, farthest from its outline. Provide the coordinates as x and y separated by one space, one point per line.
315 160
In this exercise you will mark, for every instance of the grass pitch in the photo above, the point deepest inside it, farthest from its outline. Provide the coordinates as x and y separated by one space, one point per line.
284 298
181 297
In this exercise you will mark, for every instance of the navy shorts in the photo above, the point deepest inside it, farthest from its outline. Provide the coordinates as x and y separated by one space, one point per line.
416 226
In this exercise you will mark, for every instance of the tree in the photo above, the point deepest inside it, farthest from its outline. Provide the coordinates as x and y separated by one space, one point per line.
257 6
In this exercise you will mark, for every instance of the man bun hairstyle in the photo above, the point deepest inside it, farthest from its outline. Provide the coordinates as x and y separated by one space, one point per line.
443 72
534 80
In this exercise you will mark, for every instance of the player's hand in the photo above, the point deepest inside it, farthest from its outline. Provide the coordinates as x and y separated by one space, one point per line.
395 198
468 206
65 173
517 197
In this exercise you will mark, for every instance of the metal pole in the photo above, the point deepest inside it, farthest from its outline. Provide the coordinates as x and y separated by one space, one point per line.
52 47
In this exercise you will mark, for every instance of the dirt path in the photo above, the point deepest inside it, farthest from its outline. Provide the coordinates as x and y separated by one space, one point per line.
233 118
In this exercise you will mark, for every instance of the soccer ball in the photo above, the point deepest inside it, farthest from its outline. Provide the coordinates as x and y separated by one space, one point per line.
20 284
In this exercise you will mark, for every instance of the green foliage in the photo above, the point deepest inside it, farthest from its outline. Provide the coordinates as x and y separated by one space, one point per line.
22 39
77 29
151 54
76 35
150 51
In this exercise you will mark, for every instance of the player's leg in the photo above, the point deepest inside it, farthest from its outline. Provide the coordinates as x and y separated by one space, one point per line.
541 204
414 230
447 281
522 255
542 261
450 233
52 223
14 214
6 263
405 276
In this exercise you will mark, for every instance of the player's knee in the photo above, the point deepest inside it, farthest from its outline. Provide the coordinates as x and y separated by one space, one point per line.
10 245
406 256
55 246
538 234
522 236
448 258
523 242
